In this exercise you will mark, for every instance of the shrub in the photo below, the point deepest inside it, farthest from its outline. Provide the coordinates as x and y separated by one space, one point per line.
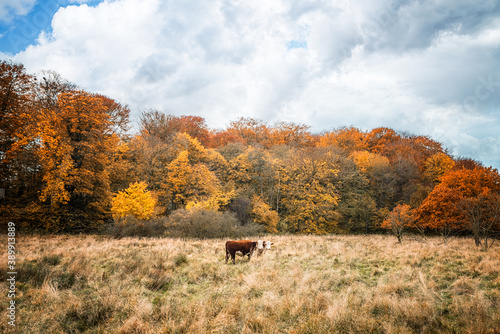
130 226
203 224
182 223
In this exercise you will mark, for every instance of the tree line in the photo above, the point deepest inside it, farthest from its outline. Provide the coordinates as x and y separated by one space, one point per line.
68 164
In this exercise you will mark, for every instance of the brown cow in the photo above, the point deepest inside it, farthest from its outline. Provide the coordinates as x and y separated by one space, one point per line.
246 247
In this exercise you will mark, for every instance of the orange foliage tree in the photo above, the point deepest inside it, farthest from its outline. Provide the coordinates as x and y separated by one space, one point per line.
77 138
441 209
440 212
224 137
286 133
380 140
166 126
17 90
19 176
400 218
396 146
251 130
347 139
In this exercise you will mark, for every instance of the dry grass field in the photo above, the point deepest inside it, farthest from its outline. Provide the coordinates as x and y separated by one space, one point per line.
305 284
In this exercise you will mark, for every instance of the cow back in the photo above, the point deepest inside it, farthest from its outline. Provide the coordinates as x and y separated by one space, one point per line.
244 246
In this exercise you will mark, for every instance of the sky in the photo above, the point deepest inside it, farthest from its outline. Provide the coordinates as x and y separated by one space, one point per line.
424 67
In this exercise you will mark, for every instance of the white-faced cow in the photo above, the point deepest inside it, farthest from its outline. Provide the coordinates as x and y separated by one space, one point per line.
246 247
266 245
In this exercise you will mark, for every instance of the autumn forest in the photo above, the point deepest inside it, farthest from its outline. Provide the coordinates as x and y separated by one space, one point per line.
69 163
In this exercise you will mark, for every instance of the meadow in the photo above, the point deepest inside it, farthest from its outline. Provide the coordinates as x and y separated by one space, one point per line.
305 284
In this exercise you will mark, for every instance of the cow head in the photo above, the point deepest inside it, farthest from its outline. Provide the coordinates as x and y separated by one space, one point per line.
267 244
263 246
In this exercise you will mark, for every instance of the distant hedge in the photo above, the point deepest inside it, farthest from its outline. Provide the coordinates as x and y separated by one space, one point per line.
197 223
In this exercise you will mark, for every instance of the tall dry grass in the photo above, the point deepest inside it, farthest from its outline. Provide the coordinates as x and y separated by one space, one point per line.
306 284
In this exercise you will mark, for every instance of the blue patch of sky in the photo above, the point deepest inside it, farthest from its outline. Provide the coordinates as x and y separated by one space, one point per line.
296 45
301 42
18 32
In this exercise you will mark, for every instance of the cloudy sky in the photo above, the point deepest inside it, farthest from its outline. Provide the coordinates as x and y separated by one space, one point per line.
426 67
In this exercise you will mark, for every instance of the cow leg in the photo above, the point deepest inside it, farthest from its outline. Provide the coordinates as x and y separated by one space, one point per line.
227 255
233 256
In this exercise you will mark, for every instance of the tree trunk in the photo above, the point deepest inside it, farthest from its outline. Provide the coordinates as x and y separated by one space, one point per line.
477 240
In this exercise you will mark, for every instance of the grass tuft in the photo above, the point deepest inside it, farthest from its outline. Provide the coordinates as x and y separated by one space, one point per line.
180 260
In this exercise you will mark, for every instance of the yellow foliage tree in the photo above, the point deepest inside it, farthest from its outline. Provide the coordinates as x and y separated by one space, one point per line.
214 203
254 172
186 182
369 162
262 214
241 169
196 152
309 196
76 139
437 165
121 168
135 201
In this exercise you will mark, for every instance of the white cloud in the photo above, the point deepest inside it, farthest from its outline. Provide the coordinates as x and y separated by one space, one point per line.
11 8
409 65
